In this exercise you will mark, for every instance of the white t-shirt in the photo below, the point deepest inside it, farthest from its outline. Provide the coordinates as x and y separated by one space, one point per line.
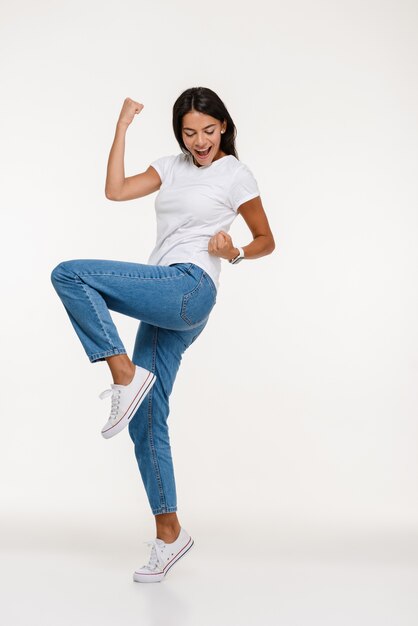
193 204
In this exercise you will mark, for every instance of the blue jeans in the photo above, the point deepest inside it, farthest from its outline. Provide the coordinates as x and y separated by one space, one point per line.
173 303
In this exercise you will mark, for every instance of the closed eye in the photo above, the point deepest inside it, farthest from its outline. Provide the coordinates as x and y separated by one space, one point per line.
207 132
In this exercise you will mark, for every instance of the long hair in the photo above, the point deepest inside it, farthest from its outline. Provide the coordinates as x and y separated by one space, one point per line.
206 101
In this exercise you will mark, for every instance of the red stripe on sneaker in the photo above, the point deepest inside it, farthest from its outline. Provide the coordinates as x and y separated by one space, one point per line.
175 557
170 563
147 383
143 385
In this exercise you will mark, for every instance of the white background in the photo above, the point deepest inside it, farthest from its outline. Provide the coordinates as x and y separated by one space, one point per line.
297 407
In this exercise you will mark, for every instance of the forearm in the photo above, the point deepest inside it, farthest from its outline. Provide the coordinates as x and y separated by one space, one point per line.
260 246
115 177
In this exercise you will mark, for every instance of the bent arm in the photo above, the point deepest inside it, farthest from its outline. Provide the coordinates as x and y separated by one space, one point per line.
256 219
120 188
115 177
263 243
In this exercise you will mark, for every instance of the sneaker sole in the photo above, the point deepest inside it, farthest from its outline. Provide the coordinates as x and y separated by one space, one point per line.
158 577
124 421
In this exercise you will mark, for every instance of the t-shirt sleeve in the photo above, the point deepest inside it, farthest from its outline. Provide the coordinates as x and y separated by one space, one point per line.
162 165
244 187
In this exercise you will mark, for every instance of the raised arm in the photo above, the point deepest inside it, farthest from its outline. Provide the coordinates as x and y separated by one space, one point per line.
118 187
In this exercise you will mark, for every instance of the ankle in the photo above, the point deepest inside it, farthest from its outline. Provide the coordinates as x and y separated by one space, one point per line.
122 368
169 537
124 377
168 533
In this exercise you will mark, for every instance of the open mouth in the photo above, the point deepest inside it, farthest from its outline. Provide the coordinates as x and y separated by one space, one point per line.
202 154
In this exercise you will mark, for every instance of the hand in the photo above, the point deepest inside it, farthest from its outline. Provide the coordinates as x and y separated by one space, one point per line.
129 109
221 245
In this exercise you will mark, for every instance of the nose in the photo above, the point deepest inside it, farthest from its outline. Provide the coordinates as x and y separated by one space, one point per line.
200 141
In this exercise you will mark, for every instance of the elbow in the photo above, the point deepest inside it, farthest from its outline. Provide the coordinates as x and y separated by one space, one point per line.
110 195
271 247
114 191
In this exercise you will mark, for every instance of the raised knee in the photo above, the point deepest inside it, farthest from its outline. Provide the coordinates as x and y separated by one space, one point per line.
61 272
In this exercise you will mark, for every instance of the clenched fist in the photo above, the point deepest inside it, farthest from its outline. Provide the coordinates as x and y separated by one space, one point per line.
129 109
221 245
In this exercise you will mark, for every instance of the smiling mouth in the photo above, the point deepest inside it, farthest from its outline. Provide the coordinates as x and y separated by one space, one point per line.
203 154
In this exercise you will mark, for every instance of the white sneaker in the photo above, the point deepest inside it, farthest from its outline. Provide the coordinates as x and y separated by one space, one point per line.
163 557
125 400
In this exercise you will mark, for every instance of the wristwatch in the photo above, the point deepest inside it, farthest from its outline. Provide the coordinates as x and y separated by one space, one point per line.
238 258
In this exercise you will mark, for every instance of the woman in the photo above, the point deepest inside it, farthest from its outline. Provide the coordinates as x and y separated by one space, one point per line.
201 191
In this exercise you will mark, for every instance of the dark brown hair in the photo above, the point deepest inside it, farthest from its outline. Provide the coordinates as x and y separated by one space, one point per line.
206 101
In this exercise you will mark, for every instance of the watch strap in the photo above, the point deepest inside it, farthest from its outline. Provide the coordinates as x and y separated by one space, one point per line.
238 258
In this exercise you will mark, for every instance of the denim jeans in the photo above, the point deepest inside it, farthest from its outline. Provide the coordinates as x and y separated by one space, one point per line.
173 304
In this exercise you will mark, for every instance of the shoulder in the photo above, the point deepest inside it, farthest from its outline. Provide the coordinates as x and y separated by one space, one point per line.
164 160
243 184
235 167
171 159
167 163
238 170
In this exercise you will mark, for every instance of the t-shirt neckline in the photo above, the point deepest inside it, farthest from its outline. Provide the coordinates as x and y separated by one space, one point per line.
210 164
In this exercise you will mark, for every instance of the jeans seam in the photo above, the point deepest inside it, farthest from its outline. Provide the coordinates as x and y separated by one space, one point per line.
150 424
119 275
185 300
211 284
166 509
101 355
83 286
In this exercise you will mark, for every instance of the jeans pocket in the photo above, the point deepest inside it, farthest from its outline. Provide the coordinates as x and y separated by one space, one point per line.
198 303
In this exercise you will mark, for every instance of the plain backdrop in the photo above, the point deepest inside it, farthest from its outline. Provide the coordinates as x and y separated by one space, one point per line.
298 404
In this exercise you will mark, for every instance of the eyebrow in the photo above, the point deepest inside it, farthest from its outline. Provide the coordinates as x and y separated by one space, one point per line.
185 127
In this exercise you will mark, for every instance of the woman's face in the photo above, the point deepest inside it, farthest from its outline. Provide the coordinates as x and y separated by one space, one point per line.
201 133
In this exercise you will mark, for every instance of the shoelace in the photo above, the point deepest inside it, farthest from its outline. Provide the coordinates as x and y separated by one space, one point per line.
115 401
156 555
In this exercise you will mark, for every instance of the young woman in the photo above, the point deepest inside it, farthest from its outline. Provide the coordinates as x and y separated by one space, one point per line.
201 191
